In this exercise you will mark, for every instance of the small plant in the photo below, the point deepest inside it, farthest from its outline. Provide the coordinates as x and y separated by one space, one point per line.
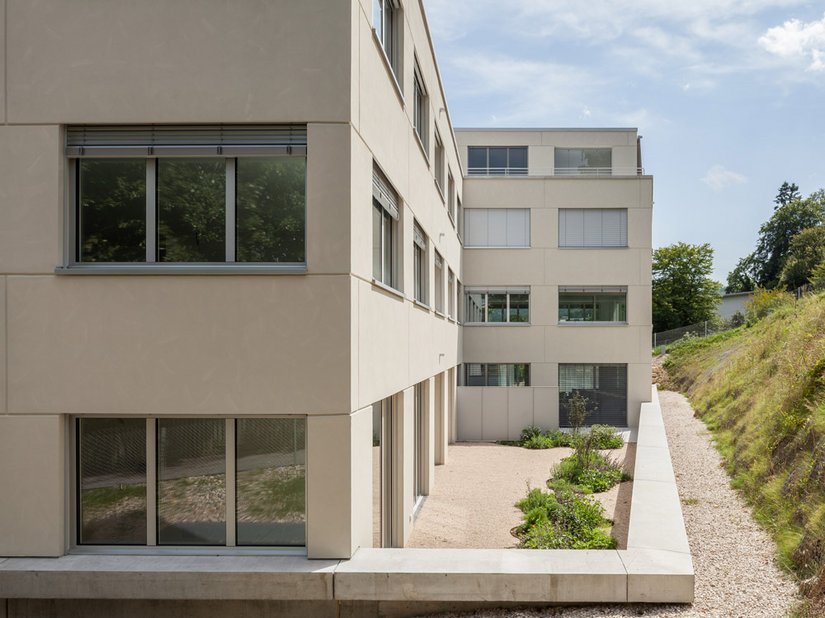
539 441
606 437
586 472
562 521
530 432
577 411
765 302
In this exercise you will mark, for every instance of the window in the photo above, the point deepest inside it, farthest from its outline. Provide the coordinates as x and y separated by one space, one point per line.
497 374
385 20
592 227
583 161
451 196
191 461
497 227
420 109
450 293
498 306
604 386
439 282
592 304
384 230
420 264
165 194
460 218
497 160
439 163
420 443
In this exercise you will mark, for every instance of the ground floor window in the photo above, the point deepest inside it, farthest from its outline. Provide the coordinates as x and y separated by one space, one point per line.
193 481
604 387
497 374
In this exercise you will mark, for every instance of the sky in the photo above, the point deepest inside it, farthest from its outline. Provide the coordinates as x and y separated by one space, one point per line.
729 95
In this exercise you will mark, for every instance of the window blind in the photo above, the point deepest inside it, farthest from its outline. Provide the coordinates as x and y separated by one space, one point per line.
383 193
188 140
497 227
592 227
419 238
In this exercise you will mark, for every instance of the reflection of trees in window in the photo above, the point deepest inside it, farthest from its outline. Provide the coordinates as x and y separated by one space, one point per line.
191 219
270 209
112 213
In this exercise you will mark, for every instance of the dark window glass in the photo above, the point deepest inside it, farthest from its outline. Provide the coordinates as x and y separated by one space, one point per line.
594 307
475 375
112 210
604 386
477 160
271 481
112 481
498 161
497 308
519 307
518 161
191 210
191 482
270 209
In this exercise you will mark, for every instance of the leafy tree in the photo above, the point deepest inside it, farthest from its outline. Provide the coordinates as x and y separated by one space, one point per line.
818 276
683 292
788 192
740 278
807 250
776 234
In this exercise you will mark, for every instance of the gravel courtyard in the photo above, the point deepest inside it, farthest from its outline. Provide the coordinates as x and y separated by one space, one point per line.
732 556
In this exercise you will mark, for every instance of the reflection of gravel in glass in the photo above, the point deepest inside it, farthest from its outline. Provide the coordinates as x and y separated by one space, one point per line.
264 495
199 498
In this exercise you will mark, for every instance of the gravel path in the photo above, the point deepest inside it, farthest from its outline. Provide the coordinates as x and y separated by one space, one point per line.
733 557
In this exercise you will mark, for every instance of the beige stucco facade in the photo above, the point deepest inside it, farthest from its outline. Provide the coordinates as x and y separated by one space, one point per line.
322 342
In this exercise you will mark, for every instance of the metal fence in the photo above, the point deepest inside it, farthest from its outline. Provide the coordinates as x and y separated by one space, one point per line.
700 329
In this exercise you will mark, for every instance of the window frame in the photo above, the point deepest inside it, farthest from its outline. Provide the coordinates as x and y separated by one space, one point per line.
439 156
485 373
507 170
507 292
438 281
420 265
394 55
420 110
132 146
451 294
596 378
152 546
386 200
624 235
473 243
595 292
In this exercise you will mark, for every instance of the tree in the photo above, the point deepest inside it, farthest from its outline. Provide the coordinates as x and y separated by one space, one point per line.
788 192
683 292
807 250
776 234
740 278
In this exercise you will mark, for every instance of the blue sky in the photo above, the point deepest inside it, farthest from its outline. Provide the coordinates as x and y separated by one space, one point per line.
729 95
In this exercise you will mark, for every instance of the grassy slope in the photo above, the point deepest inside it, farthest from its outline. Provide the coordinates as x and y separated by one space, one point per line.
761 390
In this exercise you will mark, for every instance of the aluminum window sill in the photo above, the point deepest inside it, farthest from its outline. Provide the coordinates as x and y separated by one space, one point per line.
222 268
590 324
494 324
421 305
388 288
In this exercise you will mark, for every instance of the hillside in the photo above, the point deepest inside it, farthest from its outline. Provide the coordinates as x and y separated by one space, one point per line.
761 391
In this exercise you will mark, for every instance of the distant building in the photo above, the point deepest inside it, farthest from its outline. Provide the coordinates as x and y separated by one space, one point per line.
733 303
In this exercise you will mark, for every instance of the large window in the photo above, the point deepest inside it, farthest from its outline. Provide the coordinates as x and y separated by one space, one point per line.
438 276
164 194
384 230
497 227
592 227
603 386
497 306
420 109
592 304
497 160
385 21
583 161
193 463
420 264
497 374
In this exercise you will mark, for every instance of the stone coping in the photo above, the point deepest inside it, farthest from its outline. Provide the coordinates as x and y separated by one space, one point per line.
656 567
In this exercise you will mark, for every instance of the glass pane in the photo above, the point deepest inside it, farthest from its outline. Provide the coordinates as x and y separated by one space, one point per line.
271 481
497 310
389 267
270 209
611 308
477 160
519 307
377 432
596 157
191 482
518 161
377 217
498 161
112 210
521 375
476 306
475 374
494 375
112 481
576 308
191 217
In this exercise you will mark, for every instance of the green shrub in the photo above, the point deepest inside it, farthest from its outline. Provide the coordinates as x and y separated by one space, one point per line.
765 302
587 472
530 432
538 442
605 437
562 521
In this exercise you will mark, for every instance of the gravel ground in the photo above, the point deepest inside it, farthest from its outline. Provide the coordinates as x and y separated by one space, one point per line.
733 557
472 502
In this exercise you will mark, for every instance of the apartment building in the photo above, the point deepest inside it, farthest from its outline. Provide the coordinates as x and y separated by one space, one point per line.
242 253
557 279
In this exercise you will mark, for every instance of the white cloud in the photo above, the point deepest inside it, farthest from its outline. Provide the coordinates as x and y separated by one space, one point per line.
795 39
719 178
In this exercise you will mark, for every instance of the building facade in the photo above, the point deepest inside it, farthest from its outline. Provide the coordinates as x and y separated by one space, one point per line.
234 270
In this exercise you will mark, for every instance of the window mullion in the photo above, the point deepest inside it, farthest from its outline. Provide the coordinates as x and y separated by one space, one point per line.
507 309
231 165
231 493
151 483
151 210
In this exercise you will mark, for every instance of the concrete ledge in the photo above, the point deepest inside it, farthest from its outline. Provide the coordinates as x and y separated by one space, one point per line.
657 576
493 575
167 577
